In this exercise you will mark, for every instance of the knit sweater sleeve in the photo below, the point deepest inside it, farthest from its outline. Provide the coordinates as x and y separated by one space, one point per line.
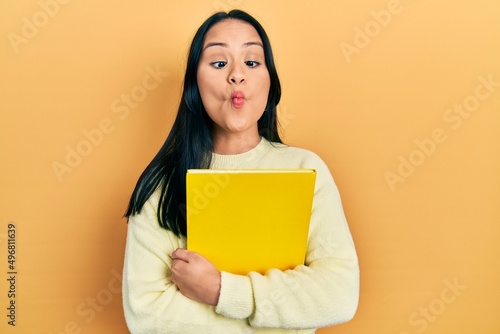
324 291
152 303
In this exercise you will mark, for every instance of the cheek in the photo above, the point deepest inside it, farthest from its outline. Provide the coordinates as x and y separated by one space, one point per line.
203 82
209 98
212 96
263 89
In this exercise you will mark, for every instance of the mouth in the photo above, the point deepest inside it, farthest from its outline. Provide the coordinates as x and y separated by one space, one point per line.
238 99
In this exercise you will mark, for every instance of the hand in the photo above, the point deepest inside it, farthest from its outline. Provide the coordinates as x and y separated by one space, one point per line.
195 276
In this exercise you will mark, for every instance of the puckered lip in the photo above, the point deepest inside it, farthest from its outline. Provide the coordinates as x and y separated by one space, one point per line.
237 95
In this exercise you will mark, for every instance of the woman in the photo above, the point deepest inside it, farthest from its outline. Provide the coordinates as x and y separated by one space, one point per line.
227 119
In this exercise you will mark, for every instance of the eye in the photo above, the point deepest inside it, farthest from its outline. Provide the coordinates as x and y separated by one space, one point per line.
252 63
219 64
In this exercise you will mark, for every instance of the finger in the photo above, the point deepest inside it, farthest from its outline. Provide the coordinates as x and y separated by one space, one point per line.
177 272
176 260
181 254
178 266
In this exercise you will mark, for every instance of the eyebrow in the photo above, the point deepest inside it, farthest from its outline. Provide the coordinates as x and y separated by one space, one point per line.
224 45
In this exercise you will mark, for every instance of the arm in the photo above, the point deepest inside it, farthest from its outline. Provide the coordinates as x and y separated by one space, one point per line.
152 303
322 292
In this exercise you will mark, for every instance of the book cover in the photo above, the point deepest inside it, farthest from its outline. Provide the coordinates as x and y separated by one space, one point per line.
249 220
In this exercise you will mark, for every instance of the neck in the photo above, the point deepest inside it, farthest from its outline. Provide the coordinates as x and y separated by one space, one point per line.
235 143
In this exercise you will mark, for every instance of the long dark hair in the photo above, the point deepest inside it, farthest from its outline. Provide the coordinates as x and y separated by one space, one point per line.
190 143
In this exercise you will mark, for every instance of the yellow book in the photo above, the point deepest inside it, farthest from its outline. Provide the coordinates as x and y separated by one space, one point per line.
249 220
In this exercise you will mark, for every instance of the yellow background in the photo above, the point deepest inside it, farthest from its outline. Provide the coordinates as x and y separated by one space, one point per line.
426 230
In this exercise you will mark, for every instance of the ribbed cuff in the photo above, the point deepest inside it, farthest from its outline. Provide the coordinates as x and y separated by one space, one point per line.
236 296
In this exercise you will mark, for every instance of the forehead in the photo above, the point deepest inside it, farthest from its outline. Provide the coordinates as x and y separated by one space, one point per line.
232 30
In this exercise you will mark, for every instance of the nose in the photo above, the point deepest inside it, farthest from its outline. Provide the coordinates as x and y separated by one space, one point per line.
237 80
236 75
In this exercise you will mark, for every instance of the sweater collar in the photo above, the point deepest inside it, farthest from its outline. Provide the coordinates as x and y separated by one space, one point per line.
241 160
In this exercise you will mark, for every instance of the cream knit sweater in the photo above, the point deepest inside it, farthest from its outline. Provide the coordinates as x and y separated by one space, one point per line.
322 292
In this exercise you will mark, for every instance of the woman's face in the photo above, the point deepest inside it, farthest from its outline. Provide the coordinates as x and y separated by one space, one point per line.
233 78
